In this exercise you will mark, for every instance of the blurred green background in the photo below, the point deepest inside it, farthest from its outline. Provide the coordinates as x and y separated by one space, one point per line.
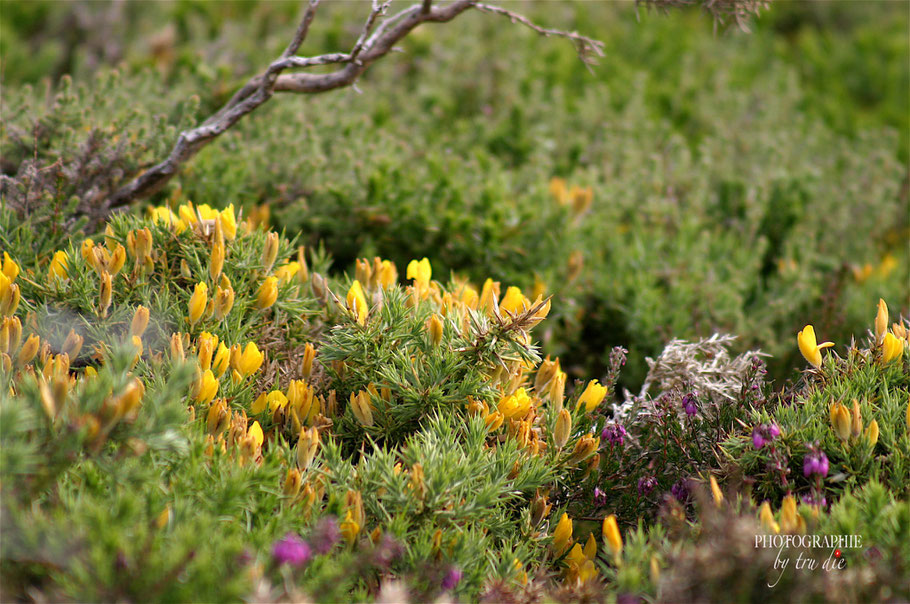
743 182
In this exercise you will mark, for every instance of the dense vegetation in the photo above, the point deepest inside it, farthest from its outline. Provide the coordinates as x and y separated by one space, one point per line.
212 398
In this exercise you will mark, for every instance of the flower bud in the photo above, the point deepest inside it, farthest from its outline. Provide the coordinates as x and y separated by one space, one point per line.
140 321
563 429
224 301
562 535
72 344
270 251
177 353
840 420
58 266
584 447
612 537
292 483
493 421
303 275
104 295
307 447
216 261
872 432
881 321
434 327
857 423
309 353
360 405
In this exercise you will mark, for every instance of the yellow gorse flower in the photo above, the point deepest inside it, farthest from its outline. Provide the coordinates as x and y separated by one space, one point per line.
349 528
198 302
790 519
612 537
515 406
420 272
267 294
285 273
892 348
58 266
513 302
9 268
562 535
207 387
881 321
357 303
592 396
716 493
767 518
805 339
434 328
840 421
249 361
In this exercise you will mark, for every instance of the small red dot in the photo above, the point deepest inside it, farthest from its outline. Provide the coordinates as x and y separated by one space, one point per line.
837 553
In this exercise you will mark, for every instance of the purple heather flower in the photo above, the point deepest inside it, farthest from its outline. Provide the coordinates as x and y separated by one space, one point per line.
452 578
809 499
325 535
291 550
688 404
764 434
614 434
600 498
815 463
646 485
680 490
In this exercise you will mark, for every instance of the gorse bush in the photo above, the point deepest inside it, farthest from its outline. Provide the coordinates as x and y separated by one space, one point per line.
461 336
691 164
184 376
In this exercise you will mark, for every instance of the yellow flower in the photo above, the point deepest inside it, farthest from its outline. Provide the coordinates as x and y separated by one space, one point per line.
9 296
286 271
349 528
586 445
222 360
309 354
790 519
9 268
612 537
515 406
58 266
767 518
872 432
250 360
292 482
807 345
228 222
581 199
307 446
562 536
207 387
559 191
268 293
140 321
715 491
513 302
255 432
216 260
420 272
840 420
276 400
892 348
198 302
493 421
388 274
881 321
592 396
434 327
357 303
29 349
556 390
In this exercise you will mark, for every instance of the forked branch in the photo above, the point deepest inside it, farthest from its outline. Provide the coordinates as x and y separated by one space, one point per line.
377 38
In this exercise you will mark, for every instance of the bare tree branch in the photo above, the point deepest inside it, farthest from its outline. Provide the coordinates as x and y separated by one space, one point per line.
377 38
